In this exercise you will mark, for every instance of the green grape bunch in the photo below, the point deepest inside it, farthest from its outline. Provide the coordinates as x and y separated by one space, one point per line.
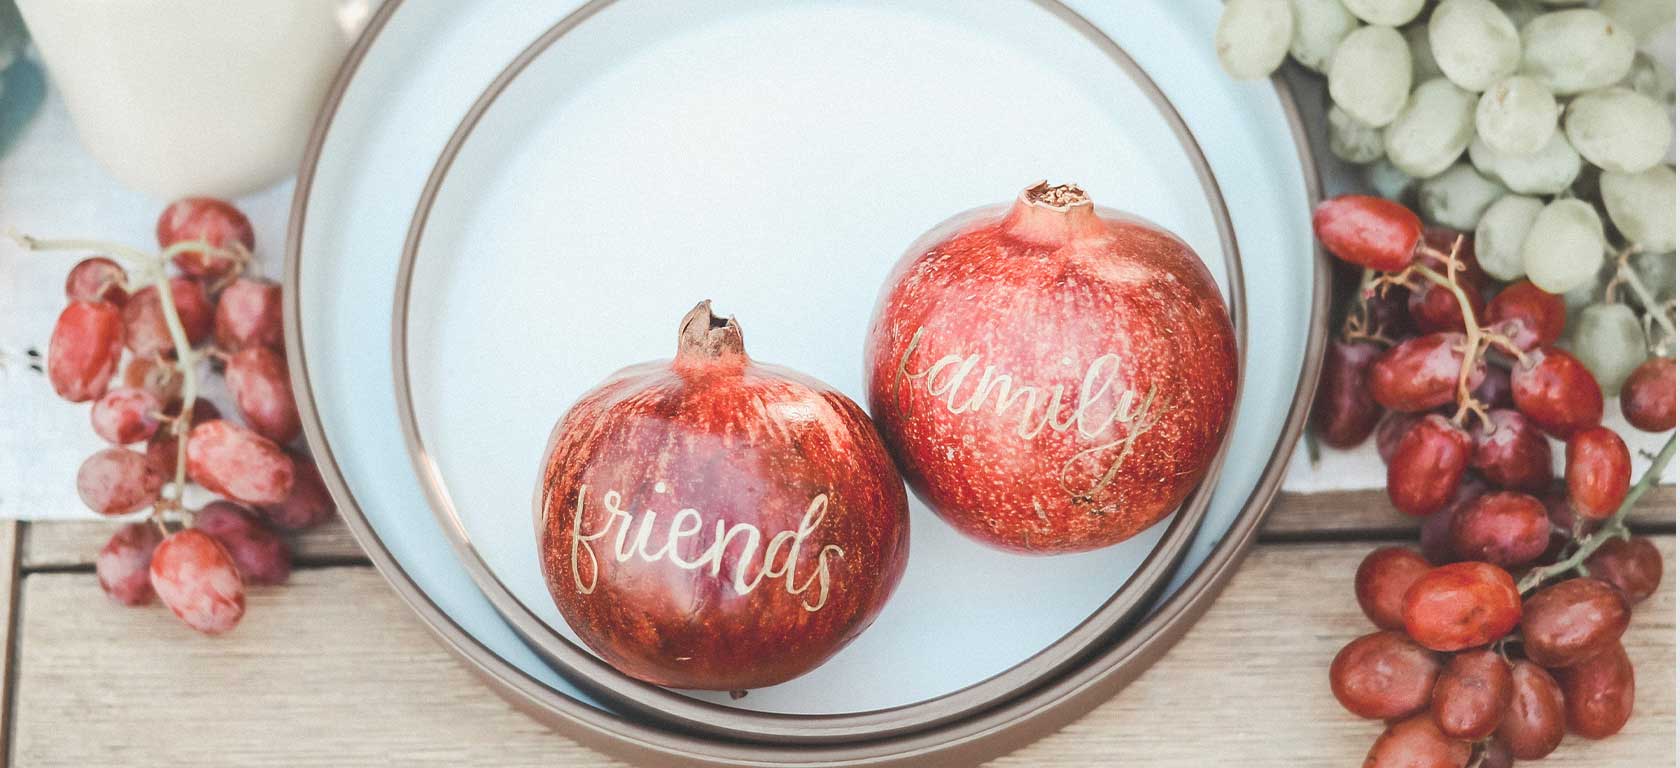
1542 129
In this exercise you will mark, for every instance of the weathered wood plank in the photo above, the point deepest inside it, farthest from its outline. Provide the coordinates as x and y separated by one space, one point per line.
65 544
333 670
1368 514
8 608
329 670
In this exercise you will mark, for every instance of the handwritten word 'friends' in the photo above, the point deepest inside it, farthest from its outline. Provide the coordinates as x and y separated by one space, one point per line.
780 552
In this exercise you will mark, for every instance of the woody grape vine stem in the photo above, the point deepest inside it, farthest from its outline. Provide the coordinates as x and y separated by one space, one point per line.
1614 528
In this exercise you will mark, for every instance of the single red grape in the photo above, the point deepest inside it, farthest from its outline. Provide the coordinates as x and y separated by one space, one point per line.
1443 240
1598 471
248 314
1527 315
148 330
1633 566
1556 392
1496 754
1368 231
126 415
1433 308
1506 529
1511 452
161 379
1427 466
1598 693
1462 605
1417 743
86 346
117 481
162 450
308 505
1564 517
1383 675
1344 413
262 390
1648 395
203 218
237 463
1495 389
1422 373
1435 533
1472 695
97 278
1393 426
1381 582
1388 313
196 578
261 556
123 564
1572 621
1534 724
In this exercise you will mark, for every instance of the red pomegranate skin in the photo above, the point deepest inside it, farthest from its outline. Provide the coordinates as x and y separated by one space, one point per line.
1051 377
714 522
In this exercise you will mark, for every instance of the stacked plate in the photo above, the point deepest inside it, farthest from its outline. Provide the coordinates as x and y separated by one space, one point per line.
505 203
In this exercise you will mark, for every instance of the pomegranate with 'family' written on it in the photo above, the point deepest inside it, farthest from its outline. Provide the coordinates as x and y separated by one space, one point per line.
1051 377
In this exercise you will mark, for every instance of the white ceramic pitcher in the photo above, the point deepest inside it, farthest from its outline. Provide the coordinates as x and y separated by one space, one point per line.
179 97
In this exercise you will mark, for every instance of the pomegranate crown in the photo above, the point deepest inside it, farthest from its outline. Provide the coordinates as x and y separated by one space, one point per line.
705 336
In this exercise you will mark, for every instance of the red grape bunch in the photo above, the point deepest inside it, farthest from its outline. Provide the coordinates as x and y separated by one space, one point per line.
136 342
1502 631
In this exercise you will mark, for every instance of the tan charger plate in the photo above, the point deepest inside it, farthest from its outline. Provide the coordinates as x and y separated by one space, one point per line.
999 713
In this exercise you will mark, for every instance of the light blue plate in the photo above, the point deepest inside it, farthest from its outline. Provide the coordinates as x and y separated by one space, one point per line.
397 107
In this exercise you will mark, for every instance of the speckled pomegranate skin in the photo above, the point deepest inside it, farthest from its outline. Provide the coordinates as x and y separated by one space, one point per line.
741 444
1016 353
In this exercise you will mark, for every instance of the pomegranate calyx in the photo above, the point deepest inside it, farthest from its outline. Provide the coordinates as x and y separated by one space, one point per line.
703 336
1054 215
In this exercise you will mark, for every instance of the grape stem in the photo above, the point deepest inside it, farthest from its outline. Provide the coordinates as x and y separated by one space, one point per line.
1614 528
186 361
1358 324
1626 275
1477 339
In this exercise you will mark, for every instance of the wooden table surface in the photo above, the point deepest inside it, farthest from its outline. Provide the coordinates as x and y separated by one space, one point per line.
333 670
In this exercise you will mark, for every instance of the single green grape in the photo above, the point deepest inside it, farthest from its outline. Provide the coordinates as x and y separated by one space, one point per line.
1320 26
1547 172
1387 13
1610 341
1352 140
1474 43
1564 247
1371 75
1253 37
1587 294
1517 115
1423 59
1457 197
1521 11
1618 130
1642 18
1500 234
1651 79
1390 182
1576 50
1433 130
1641 205
1655 271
